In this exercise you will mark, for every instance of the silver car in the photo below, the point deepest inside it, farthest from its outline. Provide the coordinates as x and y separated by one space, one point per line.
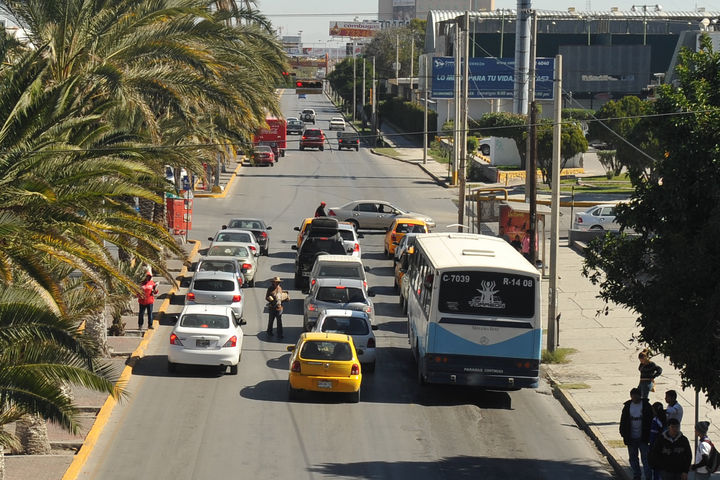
222 264
599 217
239 251
342 293
358 326
216 288
373 214
351 238
236 235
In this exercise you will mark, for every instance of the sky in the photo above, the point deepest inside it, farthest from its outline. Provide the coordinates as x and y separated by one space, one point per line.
313 17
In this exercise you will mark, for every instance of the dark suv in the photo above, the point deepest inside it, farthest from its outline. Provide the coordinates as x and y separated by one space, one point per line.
348 140
322 238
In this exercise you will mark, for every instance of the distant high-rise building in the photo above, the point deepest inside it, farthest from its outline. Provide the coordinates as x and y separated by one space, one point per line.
405 10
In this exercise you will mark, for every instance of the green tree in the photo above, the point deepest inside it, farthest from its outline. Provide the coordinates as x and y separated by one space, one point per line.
667 273
573 142
383 47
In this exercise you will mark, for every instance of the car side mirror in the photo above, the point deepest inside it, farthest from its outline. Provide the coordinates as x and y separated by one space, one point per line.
290 348
297 229
223 227
371 292
270 228
359 351
366 268
210 238
243 321
294 247
360 235
387 229
350 250
374 327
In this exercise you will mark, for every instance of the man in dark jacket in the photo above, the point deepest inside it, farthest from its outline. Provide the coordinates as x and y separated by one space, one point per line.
635 420
671 453
320 211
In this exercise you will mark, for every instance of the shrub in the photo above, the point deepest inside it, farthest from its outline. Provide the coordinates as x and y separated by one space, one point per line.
408 117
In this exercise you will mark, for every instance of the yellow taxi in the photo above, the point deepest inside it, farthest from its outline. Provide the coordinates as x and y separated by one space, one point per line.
324 362
302 228
398 229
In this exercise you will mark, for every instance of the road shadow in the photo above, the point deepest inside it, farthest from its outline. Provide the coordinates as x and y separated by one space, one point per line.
177 299
460 468
283 268
156 366
374 256
388 309
290 335
290 254
399 326
280 363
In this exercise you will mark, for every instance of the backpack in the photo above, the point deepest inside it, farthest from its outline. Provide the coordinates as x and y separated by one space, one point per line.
713 460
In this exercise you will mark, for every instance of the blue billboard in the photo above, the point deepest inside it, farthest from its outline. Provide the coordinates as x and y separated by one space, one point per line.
490 77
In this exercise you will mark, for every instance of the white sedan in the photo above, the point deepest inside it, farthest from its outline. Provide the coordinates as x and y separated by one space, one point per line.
599 217
337 123
206 335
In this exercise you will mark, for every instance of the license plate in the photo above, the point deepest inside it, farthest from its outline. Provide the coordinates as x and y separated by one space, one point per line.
324 384
202 343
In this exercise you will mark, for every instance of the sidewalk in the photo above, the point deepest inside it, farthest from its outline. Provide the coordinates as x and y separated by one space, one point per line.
597 380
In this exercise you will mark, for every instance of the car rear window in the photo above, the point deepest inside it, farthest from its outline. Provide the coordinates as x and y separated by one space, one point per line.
346 325
340 271
223 251
313 245
340 295
250 224
214 285
233 237
217 266
312 133
193 320
347 235
326 350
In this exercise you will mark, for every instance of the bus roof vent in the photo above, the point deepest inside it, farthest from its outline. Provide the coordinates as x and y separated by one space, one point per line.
479 253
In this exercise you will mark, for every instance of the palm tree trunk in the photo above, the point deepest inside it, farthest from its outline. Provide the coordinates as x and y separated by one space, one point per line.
2 462
96 329
32 433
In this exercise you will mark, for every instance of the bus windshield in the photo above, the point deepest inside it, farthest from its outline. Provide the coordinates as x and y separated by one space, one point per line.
487 293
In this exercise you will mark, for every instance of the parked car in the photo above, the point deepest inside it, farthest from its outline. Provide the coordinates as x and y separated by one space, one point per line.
338 266
263 155
322 241
295 125
358 326
258 228
240 252
277 152
206 335
308 116
312 138
399 228
349 140
222 264
324 362
237 235
216 288
599 217
337 123
373 214
344 293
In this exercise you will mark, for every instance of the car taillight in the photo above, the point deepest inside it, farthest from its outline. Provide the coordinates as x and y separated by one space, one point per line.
579 220
252 248
364 283
232 342
304 137
331 213
295 366
371 343
237 298
356 248
313 282
191 296
240 280
311 307
355 369
174 340
263 234
340 141
393 237
247 266
367 309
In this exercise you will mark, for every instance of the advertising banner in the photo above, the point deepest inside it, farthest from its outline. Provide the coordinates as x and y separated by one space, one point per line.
490 77
403 10
353 29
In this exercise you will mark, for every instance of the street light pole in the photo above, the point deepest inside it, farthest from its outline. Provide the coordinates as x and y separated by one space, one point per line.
552 325
363 93
354 83
464 131
425 119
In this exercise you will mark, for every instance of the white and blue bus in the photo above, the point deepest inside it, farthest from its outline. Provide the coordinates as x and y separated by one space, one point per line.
474 313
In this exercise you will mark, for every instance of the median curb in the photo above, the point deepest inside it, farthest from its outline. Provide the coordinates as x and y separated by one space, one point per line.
106 410
583 421
227 186
438 180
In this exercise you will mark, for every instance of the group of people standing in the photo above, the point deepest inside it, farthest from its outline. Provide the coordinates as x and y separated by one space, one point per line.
653 433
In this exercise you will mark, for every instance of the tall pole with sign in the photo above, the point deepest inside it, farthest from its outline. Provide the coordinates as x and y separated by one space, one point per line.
354 83
463 132
425 117
397 61
374 103
552 325
456 98
363 93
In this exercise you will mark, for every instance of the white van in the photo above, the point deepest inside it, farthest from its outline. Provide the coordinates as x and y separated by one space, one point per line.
337 266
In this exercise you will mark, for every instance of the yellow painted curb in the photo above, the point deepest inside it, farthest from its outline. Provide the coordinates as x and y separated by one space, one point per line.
227 187
103 415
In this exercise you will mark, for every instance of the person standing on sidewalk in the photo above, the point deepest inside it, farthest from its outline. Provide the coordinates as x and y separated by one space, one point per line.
648 373
146 299
671 453
702 453
674 409
275 296
635 420
657 427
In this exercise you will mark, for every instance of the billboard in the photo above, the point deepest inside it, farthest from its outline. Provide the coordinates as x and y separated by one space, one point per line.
490 77
403 10
353 29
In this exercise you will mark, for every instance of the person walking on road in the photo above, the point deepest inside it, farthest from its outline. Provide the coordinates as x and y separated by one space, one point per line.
671 453
146 299
649 371
657 427
320 211
275 296
635 420
674 409
702 453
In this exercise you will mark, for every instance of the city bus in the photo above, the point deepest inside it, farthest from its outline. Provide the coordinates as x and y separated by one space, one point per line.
474 315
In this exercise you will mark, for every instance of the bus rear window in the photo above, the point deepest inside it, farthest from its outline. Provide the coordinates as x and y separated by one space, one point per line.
487 293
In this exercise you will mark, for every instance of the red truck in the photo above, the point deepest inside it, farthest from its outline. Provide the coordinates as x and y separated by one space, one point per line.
275 137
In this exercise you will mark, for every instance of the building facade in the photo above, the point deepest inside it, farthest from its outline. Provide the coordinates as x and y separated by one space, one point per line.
406 10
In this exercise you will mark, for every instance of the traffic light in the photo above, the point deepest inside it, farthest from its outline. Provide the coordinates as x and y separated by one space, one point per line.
308 86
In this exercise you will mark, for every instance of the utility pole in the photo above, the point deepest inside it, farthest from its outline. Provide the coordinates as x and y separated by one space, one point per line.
552 325
397 61
531 98
425 118
373 96
463 133
354 107
363 93
533 146
412 68
456 95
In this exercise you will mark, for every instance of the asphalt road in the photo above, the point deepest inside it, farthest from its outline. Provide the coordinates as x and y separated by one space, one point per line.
200 424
